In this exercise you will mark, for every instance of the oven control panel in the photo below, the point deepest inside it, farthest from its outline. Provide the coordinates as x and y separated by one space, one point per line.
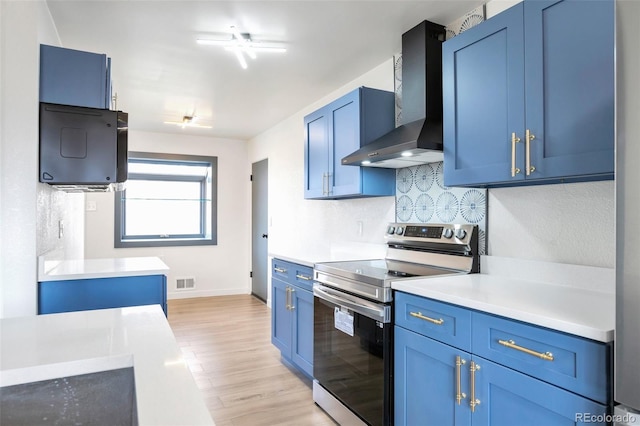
435 232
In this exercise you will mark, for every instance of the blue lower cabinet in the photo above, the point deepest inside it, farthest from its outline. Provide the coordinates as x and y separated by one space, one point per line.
280 317
302 341
507 397
426 381
497 380
101 293
292 313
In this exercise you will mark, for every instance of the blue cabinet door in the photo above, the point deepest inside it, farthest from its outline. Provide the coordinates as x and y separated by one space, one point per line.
302 342
101 293
344 131
507 397
426 382
74 77
316 154
483 95
529 96
569 62
280 317
337 130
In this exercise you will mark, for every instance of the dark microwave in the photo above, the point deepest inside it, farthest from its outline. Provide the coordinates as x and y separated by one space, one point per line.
82 146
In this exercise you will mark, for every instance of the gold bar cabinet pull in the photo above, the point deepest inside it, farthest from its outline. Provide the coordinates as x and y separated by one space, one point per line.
459 395
281 270
303 277
547 356
474 402
291 305
528 138
286 300
514 141
422 317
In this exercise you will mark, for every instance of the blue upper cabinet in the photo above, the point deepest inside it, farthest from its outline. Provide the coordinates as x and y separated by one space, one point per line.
529 96
338 129
74 77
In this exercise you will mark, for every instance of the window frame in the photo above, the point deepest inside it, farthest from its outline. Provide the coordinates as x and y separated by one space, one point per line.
121 241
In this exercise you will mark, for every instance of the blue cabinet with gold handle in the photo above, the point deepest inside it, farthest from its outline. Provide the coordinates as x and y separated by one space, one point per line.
529 96
483 369
292 313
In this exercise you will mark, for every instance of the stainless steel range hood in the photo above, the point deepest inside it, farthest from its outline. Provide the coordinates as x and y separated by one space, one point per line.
418 138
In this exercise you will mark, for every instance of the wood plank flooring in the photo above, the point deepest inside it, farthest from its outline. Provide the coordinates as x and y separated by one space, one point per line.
226 341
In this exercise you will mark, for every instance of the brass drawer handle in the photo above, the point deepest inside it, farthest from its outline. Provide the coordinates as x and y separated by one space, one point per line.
547 356
474 402
303 277
514 140
459 395
281 270
528 138
422 317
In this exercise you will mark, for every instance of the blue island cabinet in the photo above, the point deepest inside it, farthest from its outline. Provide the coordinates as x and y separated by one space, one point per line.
529 96
102 293
292 313
456 366
338 129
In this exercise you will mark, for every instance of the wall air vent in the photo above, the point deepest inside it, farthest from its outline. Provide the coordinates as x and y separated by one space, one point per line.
186 283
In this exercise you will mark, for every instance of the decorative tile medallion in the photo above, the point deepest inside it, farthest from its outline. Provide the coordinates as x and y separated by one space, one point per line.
421 197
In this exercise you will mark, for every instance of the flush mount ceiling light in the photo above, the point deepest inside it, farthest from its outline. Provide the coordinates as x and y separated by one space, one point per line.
188 121
241 44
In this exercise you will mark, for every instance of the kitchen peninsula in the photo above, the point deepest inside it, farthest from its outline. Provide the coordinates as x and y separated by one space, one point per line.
46 347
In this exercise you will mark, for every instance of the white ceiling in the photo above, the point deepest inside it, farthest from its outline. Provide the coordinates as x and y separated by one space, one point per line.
161 74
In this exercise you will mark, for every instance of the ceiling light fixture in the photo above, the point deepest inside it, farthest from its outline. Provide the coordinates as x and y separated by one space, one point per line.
241 44
188 121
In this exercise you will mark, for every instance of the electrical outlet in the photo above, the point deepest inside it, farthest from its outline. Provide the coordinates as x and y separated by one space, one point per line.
91 206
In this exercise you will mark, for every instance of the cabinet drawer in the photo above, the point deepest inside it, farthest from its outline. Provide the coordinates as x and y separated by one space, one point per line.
570 362
293 273
281 269
302 276
440 321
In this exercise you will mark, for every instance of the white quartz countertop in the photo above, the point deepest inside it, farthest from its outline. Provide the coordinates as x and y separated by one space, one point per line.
579 311
57 270
52 346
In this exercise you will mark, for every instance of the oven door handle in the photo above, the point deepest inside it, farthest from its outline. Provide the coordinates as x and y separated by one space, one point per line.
376 312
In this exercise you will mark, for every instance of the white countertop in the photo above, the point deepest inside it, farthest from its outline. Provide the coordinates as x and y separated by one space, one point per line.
77 269
52 346
337 252
582 309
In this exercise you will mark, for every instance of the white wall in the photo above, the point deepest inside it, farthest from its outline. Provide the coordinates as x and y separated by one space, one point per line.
29 211
218 270
538 222
313 229
549 222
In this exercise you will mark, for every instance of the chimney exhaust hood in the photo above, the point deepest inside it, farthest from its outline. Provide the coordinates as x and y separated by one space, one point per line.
418 138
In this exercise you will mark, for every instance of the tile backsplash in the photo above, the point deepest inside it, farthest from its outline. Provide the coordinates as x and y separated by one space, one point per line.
421 197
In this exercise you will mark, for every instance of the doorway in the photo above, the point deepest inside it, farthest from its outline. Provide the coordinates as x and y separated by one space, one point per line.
259 228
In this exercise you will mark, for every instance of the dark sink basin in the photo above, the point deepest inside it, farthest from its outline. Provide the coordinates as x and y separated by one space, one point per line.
102 398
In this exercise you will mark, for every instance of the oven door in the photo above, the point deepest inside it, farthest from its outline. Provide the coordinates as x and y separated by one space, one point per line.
352 352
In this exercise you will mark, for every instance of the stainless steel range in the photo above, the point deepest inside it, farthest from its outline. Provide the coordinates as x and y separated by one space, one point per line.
353 365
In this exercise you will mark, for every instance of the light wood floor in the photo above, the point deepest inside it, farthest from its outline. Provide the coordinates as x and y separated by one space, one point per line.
227 342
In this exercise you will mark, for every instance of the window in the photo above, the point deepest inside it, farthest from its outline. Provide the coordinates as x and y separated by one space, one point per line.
169 200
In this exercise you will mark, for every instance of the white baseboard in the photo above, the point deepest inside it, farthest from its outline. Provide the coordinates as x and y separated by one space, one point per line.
188 294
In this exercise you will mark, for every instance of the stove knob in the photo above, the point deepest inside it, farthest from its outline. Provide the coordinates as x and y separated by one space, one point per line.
391 230
460 233
447 233
399 230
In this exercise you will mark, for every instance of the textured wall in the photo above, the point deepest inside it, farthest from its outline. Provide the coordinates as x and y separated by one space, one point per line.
312 229
567 223
29 211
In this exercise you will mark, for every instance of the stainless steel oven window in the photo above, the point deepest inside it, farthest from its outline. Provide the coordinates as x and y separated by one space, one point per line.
356 369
